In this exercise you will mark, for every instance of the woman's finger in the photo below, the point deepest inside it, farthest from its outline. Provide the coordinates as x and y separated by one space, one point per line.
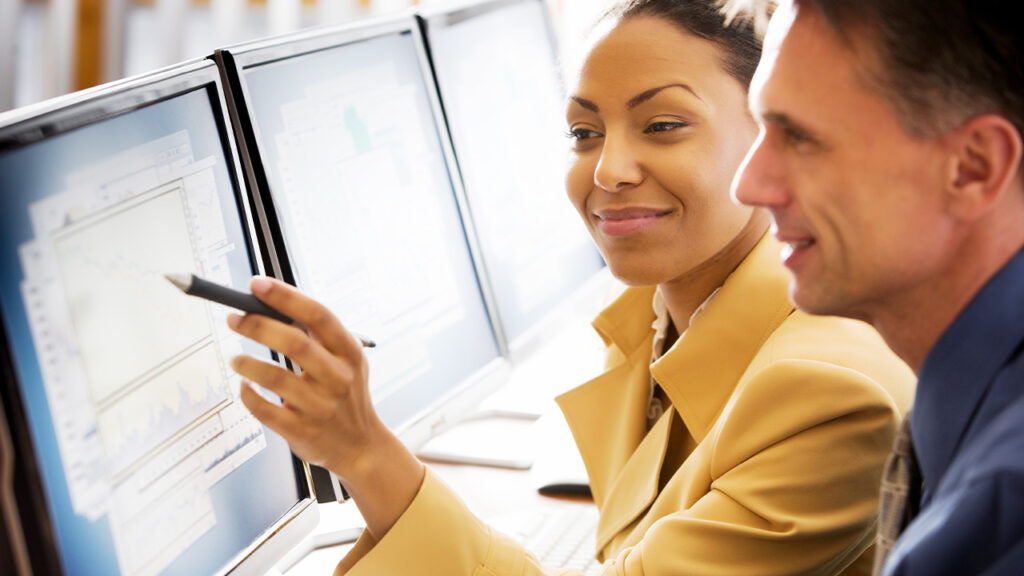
308 432
307 312
292 342
277 418
296 394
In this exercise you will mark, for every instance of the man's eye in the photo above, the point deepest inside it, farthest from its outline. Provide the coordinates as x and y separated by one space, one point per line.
796 137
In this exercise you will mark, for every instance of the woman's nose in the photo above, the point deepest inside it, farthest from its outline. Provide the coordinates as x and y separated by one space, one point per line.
617 167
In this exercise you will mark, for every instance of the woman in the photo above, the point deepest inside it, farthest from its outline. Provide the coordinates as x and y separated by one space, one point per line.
750 444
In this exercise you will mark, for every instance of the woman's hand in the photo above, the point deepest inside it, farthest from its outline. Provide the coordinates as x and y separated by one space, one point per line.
327 414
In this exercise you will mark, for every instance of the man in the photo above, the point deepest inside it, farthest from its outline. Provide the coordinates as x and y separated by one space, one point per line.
890 159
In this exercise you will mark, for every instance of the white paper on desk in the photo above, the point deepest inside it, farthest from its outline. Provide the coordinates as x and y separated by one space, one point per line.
490 441
559 465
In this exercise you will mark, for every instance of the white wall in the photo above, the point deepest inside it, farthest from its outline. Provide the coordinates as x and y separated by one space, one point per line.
573 22
9 10
37 40
60 36
115 24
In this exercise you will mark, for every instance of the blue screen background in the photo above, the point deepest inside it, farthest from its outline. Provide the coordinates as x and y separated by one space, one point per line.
458 350
251 498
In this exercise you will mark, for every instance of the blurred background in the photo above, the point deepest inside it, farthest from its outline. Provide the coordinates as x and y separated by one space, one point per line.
52 47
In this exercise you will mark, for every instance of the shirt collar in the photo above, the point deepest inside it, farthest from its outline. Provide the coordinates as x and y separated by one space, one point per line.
619 324
662 319
958 371
660 324
655 408
701 369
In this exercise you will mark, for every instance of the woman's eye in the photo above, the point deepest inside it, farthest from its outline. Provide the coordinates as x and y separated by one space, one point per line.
580 134
657 127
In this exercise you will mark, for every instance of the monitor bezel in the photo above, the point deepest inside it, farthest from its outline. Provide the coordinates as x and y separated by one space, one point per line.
456 11
579 302
233 61
447 14
25 126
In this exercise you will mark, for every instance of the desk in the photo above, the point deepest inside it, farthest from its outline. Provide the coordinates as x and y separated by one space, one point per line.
489 492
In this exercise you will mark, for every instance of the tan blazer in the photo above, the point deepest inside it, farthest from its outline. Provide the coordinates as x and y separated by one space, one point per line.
781 422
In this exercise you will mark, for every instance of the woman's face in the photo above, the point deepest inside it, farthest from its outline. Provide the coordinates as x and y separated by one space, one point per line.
658 129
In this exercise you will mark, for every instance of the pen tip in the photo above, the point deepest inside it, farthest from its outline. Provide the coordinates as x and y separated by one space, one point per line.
182 281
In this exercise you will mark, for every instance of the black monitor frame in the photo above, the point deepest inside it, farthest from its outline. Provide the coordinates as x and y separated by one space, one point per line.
577 303
25 523
233 61
453 13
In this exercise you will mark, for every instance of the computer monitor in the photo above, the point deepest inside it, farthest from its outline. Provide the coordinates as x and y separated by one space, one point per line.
501 92
360 209
125 449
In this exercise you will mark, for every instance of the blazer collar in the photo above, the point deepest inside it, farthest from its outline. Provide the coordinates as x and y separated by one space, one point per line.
608 418
623 325
702 368
608 415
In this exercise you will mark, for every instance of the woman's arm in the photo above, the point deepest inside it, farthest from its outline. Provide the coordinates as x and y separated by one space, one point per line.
327 415
793 476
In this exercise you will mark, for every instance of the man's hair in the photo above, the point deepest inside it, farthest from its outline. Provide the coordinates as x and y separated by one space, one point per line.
939 62
738 39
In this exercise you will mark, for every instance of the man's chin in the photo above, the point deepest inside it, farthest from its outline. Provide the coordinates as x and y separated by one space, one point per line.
812 301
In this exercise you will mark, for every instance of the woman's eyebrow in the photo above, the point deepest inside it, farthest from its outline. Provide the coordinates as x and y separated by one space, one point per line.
648 94
585 103
635 100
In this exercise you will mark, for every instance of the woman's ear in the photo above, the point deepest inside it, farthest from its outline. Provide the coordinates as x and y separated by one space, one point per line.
984 160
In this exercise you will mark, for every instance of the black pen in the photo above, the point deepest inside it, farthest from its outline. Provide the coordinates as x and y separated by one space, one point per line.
195 286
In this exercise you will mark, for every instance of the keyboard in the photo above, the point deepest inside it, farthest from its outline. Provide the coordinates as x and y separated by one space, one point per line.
562 536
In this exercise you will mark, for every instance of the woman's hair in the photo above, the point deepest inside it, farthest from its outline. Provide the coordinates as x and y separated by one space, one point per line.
738 39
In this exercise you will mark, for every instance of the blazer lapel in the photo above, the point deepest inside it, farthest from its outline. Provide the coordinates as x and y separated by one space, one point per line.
636 487
608 415
608 419
701 370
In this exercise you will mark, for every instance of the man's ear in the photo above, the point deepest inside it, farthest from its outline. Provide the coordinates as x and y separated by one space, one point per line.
984 159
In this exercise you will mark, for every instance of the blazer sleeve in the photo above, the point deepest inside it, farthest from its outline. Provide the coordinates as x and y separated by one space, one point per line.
794 491
438 536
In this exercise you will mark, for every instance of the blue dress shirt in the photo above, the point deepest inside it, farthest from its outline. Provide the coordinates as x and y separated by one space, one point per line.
968 429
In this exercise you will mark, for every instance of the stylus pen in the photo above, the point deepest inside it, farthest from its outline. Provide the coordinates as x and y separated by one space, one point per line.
195 286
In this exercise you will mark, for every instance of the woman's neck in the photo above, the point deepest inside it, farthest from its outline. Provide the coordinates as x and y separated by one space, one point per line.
685 294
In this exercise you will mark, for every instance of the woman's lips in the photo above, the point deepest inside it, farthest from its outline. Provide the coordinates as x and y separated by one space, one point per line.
626 221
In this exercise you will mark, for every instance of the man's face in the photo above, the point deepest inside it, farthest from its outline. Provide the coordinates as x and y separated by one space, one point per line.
857 198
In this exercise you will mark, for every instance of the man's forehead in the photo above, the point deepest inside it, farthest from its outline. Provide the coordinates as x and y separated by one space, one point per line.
779 25
805 52
778 30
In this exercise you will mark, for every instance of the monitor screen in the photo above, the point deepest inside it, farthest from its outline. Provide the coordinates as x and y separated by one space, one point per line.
345 142
502 96
147 460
